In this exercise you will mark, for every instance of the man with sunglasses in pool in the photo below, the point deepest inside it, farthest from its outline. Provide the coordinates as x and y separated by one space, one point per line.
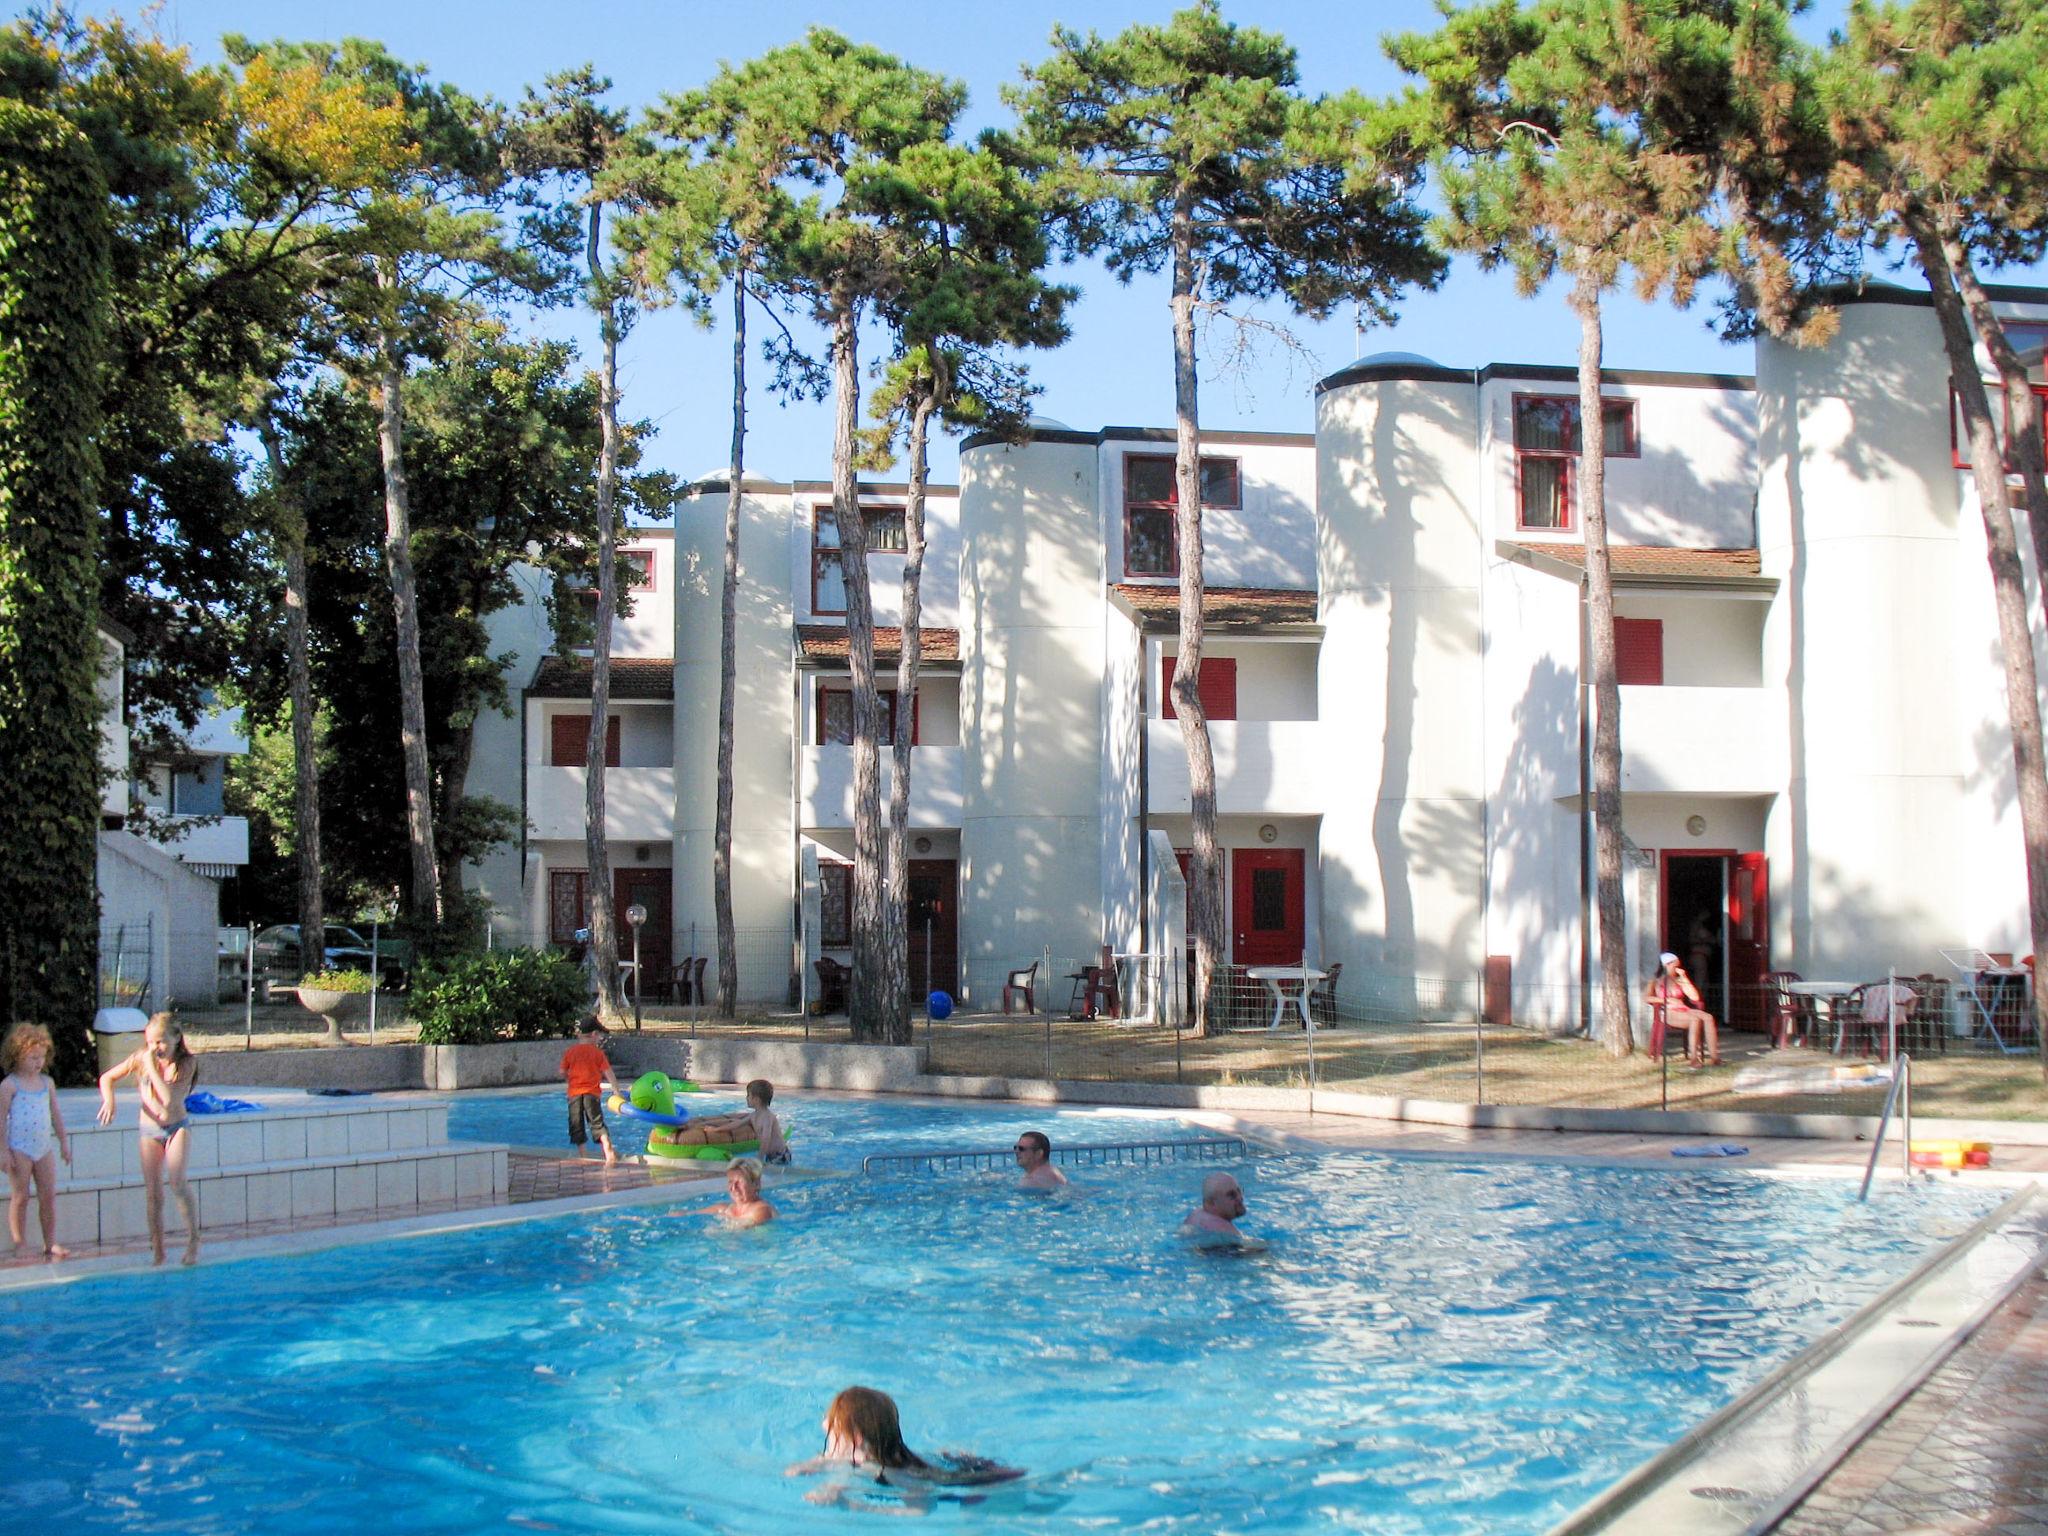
1213 1223
1034 1156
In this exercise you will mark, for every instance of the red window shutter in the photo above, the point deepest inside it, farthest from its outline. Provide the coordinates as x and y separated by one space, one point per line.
1639 652
570 746
1218 687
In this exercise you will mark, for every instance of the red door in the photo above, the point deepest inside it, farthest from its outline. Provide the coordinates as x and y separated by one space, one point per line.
650 888
1266 905
934 926
1749 940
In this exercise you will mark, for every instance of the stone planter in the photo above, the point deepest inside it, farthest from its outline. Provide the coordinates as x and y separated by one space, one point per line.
333 1007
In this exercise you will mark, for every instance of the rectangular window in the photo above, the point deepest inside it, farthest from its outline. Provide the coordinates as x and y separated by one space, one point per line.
1547 446
569 741
835 905
1217 687
568 904
835 716
196 791
1639 652
886 535
641 563
2002 418
1151 544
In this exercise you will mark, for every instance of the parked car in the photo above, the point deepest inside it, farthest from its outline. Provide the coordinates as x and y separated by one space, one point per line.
278 957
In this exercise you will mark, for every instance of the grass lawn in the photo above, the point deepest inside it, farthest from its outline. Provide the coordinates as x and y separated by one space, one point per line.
1418 1062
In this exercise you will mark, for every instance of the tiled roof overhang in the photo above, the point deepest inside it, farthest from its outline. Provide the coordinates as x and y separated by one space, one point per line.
633 677
1649 565
1158 608
826 644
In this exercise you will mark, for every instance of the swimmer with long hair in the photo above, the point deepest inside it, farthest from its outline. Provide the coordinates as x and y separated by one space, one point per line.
864 1435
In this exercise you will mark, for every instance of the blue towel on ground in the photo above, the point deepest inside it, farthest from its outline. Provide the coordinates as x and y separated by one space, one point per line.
200 1102
1712 1149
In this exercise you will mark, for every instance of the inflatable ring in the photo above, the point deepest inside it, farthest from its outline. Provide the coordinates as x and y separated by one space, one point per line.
626 1111
700 1152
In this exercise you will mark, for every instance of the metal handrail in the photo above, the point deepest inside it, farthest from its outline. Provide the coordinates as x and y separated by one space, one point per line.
1902 1084
1207 1149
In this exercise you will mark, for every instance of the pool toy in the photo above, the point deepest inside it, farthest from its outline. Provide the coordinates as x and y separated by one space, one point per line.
717 1152
939 1005
654 1100
1950 1154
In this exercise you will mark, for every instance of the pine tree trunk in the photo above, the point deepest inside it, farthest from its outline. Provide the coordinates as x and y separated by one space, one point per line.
405 603
868 1007
1205 865
291 535
604 919
728 665
2008 583
1609 913
901 938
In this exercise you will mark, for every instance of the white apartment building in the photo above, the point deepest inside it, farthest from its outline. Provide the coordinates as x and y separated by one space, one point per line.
1817 773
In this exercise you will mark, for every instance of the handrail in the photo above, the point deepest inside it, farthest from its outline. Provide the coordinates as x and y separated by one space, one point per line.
1902 1078
1206 1149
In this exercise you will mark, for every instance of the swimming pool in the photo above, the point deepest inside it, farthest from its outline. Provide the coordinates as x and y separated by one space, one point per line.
1430 1347
825 1132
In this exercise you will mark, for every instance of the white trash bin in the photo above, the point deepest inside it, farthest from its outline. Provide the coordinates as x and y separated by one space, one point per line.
119 1033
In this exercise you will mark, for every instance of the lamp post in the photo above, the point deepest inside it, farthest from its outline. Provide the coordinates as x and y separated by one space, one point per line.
636 915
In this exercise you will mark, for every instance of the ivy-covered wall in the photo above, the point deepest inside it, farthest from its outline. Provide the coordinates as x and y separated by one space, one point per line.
53 277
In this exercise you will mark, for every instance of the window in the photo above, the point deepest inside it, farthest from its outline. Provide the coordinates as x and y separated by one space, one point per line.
568 904
1217 687
641 563
569 741
886 535
1639 652
835 905
1547 446
196 790
835 716
1151 546
2030 340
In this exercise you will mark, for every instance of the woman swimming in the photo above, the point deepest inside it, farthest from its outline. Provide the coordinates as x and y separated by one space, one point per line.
864 1435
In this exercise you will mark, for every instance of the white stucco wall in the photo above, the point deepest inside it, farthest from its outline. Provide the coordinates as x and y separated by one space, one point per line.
938 585
1268 541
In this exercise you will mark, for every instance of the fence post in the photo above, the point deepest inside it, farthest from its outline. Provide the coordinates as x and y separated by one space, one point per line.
376 971
1479 1044
1174 982
249 993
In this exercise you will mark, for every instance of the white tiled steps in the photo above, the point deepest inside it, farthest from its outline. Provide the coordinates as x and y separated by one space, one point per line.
299 1158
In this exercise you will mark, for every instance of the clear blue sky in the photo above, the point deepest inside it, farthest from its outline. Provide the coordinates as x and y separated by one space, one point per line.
1117 369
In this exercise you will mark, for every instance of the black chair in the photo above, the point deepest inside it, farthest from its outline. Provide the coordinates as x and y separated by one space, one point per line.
832 979
697 977
1322 997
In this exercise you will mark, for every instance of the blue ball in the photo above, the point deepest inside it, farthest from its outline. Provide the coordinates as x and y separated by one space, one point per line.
939 1005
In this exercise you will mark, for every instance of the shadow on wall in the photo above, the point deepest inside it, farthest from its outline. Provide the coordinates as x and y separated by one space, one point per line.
1673 474
1530 833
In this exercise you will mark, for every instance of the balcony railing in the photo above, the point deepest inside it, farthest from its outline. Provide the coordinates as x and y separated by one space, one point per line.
1262 766
827 788
1703 741
221 841
639 803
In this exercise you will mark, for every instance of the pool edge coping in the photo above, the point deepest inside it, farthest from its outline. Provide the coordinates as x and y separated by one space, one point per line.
1620 1506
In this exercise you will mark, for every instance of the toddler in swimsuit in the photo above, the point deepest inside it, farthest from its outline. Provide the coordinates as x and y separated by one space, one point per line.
35 1135
165 1069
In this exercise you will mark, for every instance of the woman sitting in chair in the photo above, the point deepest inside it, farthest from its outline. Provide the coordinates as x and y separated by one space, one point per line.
1672 990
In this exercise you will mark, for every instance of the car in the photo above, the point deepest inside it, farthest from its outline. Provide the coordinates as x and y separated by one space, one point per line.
278 957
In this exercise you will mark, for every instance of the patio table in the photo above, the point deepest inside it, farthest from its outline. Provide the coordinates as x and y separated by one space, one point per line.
1273 975
1826 996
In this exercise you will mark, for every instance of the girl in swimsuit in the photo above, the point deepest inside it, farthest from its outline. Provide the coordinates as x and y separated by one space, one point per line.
165 1070
35 1135
864 1434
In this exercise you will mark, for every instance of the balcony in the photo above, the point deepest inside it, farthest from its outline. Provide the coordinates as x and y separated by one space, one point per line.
1703 741
1263 767
827 787
221 842
639 804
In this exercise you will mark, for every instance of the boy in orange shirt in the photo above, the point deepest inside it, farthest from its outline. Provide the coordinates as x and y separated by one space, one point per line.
589 1072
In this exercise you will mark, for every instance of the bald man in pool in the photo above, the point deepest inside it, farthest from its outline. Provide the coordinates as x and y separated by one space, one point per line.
1213 1223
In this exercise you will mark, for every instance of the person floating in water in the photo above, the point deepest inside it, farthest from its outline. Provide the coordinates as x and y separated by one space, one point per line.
1034 1156
1213 1223
756 1123
744 1206
864 1435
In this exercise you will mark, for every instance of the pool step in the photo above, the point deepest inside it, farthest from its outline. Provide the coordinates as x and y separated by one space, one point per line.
300 1158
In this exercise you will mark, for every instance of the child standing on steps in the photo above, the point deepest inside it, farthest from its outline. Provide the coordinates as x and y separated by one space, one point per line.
35 1135
165 1069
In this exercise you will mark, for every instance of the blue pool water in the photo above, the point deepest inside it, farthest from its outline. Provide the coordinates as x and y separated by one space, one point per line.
1429 1347
826 1132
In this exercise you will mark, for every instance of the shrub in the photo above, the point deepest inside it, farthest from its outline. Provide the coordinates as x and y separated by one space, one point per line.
502 994
338 981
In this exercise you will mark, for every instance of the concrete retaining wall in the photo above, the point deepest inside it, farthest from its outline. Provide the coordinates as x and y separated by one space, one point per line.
809 1064
369 1067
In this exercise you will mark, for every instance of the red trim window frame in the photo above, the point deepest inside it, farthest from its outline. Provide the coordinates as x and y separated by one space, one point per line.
827 736
835 905
568 904
1957 455
1146 475
642 561
887 532
1561 461
1217 687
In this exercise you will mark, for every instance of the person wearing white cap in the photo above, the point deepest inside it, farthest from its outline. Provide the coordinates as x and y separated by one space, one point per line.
1673 990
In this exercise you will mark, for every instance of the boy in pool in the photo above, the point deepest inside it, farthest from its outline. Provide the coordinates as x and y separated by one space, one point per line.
756 1122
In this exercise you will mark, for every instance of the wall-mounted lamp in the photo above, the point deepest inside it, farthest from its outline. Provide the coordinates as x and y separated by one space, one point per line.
1696 825
1268 832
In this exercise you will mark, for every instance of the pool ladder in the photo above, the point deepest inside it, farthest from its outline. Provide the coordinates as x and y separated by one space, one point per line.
1901 1095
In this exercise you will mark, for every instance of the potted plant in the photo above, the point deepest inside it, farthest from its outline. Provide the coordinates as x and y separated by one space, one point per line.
336 995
